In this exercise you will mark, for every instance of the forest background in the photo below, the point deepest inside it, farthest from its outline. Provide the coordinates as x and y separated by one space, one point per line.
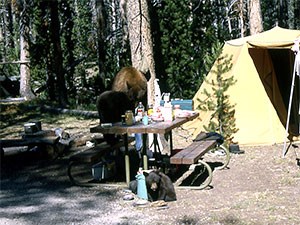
67 52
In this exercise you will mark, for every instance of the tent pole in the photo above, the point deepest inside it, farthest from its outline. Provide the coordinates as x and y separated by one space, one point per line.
288 116
290 105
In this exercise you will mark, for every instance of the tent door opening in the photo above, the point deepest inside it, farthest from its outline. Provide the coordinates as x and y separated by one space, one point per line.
275 68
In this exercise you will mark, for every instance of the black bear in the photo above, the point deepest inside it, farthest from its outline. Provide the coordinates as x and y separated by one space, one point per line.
132 82
111 105
159 187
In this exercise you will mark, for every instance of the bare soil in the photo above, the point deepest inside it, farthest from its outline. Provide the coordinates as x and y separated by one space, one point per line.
259 187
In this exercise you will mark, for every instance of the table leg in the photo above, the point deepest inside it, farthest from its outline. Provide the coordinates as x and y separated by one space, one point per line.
157 150
127 163
155 143
171 142
144 153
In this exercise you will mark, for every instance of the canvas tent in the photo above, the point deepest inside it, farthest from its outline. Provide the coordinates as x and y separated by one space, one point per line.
263 68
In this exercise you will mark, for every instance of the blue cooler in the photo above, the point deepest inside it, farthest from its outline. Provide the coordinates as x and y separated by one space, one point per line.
185 104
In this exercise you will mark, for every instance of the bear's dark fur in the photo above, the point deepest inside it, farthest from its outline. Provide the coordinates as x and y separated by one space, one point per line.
111 105
159 187
132 82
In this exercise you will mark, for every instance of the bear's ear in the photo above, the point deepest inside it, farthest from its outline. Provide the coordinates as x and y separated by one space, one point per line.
161 174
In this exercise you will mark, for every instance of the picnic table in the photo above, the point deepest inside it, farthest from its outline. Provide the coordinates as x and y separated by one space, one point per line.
154 128
190 156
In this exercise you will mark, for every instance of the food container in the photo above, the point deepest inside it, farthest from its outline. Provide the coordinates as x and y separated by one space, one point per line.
32 127
129 118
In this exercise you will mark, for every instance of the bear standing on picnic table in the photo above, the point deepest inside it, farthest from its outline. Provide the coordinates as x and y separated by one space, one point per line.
132 82
129 87
111 105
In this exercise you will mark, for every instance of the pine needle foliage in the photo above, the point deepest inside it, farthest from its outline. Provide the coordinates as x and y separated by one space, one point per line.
222 118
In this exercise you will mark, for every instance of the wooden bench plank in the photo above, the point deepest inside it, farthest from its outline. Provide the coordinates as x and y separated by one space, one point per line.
177 158
95 153
199 149
193 152
90 155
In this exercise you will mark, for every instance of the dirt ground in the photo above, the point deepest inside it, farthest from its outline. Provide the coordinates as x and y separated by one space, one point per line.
259 187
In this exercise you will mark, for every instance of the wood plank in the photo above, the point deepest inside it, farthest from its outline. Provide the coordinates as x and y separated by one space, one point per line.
201 148
90 155
177 158
155 127
193 152
93 154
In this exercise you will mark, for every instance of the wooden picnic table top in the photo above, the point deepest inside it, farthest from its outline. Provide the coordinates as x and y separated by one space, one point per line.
153 127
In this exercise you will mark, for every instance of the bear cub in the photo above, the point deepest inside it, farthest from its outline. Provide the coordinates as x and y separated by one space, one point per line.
159 187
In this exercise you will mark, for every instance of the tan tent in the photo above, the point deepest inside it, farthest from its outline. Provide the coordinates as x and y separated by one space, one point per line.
263 68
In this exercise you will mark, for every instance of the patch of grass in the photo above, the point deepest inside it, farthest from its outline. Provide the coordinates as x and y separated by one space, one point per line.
230 219
188 220
14 116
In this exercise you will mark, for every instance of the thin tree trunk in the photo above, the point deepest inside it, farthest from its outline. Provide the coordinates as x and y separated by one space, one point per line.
57 55
99 19
255 18
68 27
25 87
241 16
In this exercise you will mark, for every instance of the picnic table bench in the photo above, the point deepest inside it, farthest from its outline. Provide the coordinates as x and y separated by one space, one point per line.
90 156
193 154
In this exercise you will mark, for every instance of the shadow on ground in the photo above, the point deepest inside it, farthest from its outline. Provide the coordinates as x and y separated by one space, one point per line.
37 190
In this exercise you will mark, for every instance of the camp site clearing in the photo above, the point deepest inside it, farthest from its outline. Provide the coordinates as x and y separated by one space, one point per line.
259 187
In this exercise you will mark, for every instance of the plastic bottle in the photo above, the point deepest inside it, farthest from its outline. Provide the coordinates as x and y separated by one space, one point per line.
168 112
176 110
145 119
141 185
140 109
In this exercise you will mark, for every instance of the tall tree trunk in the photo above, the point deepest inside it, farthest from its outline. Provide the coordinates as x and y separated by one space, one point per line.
44 34
6 28
57 56
99 19
138 22
241 16
255 18
25 87
67 17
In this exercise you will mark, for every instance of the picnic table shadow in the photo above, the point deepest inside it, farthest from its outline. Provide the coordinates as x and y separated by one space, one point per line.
197 177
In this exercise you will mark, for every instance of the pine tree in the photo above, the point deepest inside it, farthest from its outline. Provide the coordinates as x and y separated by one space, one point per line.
222 117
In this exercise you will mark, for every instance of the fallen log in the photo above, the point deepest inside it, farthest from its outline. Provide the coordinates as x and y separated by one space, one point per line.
85 113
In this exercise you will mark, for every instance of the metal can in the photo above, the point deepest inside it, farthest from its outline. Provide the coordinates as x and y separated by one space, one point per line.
129 119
